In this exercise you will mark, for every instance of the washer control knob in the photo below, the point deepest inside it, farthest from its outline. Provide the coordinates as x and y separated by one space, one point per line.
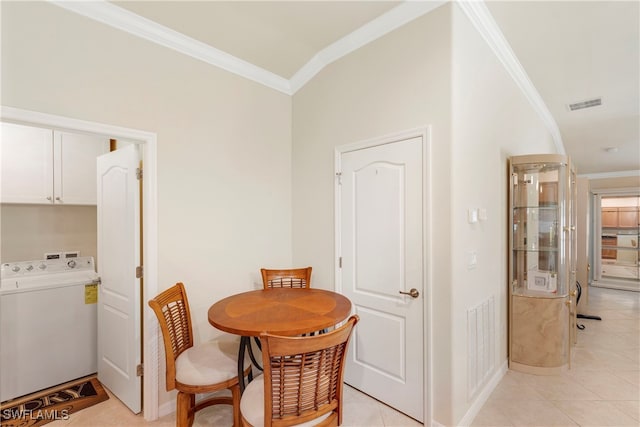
15 268
29 267
42 266
72 264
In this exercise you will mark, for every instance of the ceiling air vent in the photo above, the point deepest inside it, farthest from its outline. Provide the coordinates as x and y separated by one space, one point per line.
585 104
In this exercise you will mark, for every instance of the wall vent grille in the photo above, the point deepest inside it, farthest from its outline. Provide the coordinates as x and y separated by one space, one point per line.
585 104
481 335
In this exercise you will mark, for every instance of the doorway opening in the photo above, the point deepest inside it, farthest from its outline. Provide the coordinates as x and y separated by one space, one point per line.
616 237
147 141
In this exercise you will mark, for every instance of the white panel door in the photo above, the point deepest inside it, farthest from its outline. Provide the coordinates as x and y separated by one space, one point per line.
119 309
381 241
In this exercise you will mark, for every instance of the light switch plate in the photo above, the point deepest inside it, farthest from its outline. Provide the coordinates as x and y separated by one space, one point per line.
472 215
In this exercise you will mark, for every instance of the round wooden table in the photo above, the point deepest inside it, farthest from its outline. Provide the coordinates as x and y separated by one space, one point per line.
279 311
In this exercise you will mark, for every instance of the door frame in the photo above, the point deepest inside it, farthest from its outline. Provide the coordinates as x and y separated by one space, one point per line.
423 132
595 242
148 141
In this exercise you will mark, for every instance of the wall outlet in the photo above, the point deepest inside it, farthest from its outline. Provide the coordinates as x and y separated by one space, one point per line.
472 259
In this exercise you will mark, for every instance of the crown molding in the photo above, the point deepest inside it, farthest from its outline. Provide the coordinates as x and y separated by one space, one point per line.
475 10
385 23
122 19
482 20
605 175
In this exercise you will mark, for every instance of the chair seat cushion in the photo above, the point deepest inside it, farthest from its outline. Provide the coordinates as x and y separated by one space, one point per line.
210 363
252 405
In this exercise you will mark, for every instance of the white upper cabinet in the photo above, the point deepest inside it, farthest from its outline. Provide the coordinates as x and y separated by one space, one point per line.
27 164
74 167
43 166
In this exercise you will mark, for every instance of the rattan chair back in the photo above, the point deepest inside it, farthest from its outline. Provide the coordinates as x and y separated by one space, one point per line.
303 376
286 278
172 310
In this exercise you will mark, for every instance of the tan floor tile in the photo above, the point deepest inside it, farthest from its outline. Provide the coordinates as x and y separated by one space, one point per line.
391 417
606 341
535 413
632 354
360 410
491 415
515 377
506 391
608 386
596 414
564 389
629 407
603 359
632 377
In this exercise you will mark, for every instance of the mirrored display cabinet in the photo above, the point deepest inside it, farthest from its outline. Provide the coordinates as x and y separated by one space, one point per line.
541 264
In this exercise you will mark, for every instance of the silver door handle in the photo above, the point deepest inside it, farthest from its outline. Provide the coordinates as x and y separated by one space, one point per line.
413 293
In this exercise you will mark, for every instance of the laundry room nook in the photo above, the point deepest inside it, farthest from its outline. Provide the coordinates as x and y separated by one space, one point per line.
48 256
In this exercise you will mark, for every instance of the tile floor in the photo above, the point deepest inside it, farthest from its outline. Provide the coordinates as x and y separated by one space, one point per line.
601 389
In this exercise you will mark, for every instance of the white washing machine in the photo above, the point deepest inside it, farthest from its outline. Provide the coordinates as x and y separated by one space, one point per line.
48 324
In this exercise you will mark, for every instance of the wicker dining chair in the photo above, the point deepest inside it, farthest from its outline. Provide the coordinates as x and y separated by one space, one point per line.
205 368
302 381
286 278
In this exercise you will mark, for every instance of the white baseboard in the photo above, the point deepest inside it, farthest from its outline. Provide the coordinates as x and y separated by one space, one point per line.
477 404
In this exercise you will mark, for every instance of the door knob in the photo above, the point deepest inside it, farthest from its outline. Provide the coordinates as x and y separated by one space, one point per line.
413 293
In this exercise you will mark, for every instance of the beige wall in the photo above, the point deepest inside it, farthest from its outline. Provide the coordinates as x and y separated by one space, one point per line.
223 142
434 71
615 183
28 231
492 121
398 82
245 174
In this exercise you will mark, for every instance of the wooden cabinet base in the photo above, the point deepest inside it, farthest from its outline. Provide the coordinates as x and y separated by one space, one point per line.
539 333
537 370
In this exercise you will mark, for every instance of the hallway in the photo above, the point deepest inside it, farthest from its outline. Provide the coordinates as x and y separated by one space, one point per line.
602 388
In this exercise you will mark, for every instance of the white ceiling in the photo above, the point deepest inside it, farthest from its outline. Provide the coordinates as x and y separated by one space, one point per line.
578 50
571 51
279 36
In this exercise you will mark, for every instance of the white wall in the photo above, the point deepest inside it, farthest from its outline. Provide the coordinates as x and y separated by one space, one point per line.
223 142
491 121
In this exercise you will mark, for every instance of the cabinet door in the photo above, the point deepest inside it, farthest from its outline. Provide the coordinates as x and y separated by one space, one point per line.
628 217
75 167
609 217
608 253
27 164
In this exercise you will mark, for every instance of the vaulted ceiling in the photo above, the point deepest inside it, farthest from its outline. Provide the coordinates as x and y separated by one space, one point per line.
571 51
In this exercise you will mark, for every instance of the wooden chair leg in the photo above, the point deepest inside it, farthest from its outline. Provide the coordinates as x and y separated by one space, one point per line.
184 412
192 409
235 397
